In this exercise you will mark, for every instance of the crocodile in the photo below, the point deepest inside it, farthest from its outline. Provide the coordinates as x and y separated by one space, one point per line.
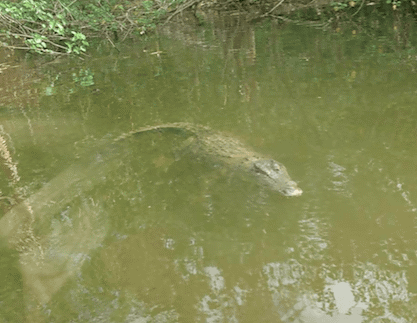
26 226
227 150
221 148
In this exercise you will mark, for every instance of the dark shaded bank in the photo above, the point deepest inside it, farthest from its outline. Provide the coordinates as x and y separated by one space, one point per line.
69 27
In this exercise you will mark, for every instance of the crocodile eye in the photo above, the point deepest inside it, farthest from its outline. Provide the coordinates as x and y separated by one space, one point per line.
276 166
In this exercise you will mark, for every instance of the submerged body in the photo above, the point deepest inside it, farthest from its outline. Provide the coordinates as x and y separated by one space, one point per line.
229 151
32 226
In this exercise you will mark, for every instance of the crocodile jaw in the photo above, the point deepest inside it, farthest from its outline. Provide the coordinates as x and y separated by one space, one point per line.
275 175
292 191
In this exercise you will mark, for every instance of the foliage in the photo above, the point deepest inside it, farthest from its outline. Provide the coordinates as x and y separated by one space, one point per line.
65 26
44 26
57 27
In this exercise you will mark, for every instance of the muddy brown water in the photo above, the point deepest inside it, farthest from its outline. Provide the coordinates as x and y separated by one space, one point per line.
142 233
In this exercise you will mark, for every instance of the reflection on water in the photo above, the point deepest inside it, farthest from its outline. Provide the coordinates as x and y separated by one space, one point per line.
144 232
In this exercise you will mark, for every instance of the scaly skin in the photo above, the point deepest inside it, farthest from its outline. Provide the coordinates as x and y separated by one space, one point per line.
26 227
229 151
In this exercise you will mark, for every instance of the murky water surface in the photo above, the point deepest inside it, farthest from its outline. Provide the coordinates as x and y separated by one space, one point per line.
147 229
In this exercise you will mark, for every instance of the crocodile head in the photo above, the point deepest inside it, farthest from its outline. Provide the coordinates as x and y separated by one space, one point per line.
276 177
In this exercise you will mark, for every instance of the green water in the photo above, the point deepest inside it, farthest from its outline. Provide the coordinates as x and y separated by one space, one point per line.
142 232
